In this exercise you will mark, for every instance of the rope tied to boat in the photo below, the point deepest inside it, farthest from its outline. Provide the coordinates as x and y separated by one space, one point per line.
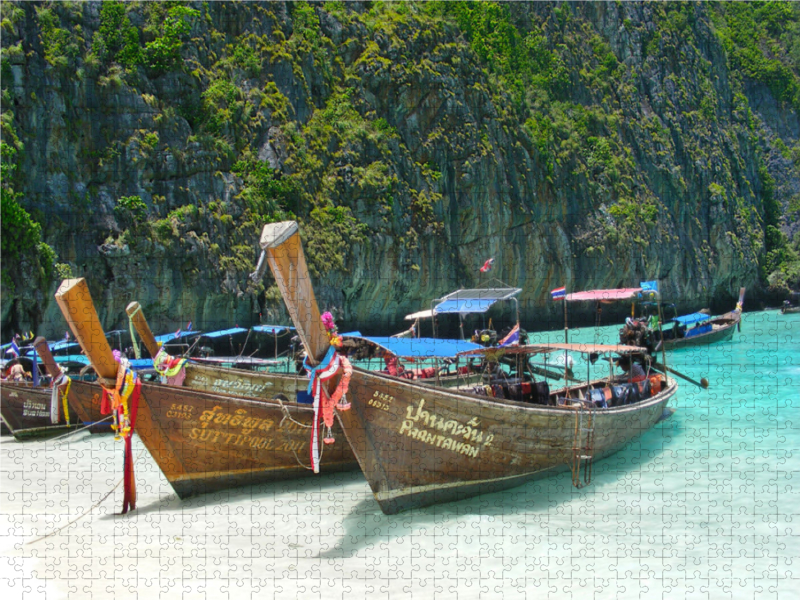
62 439
58 382
121 399
137 351
288 415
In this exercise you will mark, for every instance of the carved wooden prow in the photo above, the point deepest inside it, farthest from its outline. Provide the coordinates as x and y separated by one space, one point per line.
43 350
76 304
281 242
134 311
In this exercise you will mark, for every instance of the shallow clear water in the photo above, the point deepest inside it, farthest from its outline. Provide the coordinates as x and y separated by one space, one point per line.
705 505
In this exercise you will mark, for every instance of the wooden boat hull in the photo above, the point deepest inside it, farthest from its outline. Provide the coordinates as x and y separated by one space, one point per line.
723 330
253 384
419 446
791 310
87 407
205 442
26 412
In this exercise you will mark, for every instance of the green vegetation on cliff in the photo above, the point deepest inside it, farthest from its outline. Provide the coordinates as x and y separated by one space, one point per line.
28 263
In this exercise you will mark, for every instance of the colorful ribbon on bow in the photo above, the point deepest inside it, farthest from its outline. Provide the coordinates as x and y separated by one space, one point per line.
59 381
324 402
170 368
318 376
123 402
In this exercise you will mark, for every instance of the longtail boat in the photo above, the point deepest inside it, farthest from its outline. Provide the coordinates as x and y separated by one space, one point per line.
787 308
419 445
26 411
206 441
34 411
215 378
687 331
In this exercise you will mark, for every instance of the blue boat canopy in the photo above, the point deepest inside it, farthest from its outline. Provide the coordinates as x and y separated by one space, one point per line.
65 359
464 305
224 332
72 359
692 318
69 358
62 345
171 337
419 348
139 364
272 329
473 301
56 347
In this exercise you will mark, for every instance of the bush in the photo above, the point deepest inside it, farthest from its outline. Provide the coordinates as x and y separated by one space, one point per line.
270 196
164 52
130 211
59 44
116 40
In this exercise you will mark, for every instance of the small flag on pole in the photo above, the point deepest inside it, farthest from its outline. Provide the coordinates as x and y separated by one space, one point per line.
559 293
487 266
189 326
178 333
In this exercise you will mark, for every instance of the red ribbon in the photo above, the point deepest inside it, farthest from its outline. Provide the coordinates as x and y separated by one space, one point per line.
105 404
129 481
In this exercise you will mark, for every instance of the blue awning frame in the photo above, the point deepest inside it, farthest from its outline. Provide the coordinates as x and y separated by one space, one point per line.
63 345
224 332
464 306
420 348
56 346
166 338
691 319
272 329
82 359
476 300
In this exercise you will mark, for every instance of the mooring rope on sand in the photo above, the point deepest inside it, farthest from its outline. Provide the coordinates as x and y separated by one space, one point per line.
78 430
86 512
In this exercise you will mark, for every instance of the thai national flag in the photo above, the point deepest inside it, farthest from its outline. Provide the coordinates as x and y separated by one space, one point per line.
178 333
13 349
189 326
559 293
487 265
512 339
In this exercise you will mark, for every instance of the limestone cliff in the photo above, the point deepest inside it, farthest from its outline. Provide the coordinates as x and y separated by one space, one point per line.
578 144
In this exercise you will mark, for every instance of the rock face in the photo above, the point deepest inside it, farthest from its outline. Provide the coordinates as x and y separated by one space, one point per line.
408 141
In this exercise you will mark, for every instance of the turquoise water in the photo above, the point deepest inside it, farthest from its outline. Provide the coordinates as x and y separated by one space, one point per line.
704 505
